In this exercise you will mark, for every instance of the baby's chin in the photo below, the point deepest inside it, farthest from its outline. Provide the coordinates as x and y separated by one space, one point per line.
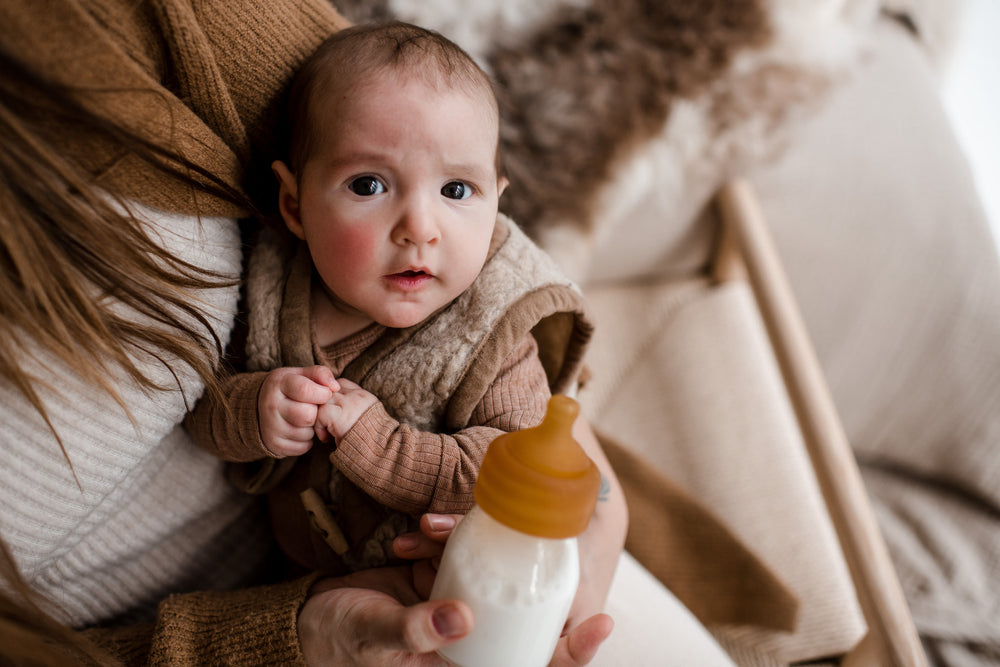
405 320
412 310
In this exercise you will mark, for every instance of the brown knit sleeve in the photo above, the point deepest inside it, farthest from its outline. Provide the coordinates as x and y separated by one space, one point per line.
254 626
418 471
228 428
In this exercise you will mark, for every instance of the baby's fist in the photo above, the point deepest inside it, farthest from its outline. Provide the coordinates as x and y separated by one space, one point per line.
287 405
338 415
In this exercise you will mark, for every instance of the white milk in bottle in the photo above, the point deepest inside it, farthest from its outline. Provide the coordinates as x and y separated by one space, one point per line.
514 558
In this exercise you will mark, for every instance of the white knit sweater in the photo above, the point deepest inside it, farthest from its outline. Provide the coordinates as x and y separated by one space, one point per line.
152 514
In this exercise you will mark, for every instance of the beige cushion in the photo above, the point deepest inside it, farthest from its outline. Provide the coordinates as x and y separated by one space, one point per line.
888 250
889 253
651 624
683 374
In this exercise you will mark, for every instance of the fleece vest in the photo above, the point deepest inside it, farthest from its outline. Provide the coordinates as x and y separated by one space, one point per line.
430 376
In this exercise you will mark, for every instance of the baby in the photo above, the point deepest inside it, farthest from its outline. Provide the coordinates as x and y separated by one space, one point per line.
410 328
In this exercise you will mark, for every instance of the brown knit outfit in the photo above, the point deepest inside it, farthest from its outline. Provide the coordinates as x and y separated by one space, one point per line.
447 388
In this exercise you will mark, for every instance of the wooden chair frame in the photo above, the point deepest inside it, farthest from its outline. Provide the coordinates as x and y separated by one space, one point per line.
746 250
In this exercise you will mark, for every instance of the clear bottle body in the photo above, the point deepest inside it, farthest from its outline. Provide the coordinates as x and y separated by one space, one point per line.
519 587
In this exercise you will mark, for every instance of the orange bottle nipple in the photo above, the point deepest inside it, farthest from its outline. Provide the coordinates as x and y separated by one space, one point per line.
539 481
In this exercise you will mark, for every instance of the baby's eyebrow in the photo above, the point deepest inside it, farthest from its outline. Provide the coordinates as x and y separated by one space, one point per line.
471 171
355 157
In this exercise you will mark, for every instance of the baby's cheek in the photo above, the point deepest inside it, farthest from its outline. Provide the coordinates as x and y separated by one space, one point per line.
351 249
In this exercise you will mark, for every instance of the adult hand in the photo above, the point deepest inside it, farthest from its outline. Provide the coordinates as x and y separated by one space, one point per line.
577 647
375 618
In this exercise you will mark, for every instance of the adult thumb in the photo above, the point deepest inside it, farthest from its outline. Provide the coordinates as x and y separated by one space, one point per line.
429 626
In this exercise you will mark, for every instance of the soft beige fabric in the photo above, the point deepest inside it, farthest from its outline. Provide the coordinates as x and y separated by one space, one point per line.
547 301
659 625
686 547
890 256
683 373
141 512
947 553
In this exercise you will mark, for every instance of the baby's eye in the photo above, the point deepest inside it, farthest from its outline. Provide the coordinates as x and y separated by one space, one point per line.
366 186
457 190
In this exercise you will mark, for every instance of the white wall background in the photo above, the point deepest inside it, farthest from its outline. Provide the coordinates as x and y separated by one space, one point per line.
971 89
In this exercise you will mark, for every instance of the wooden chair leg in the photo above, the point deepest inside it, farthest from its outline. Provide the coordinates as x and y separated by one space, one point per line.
892 638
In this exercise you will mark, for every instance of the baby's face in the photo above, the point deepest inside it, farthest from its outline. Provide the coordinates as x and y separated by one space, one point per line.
399 198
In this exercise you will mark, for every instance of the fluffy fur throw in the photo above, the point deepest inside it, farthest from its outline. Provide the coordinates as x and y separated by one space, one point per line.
622 117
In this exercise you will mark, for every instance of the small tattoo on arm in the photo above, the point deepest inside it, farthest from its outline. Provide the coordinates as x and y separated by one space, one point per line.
605 491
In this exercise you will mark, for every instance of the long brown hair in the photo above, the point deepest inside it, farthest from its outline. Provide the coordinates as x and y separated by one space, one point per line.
69 255
66 246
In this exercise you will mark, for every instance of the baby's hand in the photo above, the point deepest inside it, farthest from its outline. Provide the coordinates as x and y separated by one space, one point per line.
288 404
343 410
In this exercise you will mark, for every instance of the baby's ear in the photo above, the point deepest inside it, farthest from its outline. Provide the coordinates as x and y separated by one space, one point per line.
288 197
502 184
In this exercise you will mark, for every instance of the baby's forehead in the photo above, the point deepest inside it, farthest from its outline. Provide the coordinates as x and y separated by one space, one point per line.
355 87
429 72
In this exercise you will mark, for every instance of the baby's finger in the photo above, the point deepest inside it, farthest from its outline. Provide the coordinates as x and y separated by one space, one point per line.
327 414
290 446
297 416
346 384
303 389
323 376
300 435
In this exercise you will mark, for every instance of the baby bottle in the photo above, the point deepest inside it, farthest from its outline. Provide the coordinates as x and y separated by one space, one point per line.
513 559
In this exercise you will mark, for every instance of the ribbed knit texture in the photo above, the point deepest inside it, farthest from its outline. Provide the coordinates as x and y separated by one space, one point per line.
201 78
143 513
231 628
417 471
151 511
255 626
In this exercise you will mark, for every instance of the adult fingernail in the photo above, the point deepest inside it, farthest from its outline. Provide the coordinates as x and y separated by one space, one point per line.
440 522
407 542
449 622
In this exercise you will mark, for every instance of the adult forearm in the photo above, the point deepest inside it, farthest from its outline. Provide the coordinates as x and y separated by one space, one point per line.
602 543
255 625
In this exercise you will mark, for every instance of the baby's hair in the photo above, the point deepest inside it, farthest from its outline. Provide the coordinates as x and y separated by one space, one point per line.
352 54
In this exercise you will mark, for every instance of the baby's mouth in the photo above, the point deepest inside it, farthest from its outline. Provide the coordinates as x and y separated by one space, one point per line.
410 279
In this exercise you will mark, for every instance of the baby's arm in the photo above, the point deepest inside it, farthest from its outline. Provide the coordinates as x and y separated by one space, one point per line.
225 424
246 423
416 471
